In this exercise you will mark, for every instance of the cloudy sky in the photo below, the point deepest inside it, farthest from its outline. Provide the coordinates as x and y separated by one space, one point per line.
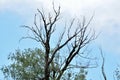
106 21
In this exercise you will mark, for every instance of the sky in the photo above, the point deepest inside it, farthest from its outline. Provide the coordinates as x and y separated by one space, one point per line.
106 21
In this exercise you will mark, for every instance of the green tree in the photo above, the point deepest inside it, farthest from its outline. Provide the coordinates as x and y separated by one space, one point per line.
29 65
26 65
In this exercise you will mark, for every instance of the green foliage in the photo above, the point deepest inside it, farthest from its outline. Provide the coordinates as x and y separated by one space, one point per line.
26 65
71 75
117 73
81 75
29 65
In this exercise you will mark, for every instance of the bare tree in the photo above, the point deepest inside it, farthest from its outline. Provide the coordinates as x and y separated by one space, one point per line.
71 41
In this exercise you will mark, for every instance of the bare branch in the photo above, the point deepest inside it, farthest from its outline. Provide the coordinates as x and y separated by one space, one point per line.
29 38
102 67
43 19
85 66
71 24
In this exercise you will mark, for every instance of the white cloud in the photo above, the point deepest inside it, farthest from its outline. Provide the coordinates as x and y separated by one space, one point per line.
73 6
106 17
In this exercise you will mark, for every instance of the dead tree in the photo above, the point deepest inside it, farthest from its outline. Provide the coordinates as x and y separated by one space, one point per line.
74 41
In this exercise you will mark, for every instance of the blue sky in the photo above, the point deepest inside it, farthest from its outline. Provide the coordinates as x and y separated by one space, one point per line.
14 13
